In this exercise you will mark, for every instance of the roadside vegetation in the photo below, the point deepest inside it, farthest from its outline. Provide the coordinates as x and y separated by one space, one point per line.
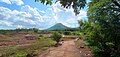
56 37
101 32
102 29
33 49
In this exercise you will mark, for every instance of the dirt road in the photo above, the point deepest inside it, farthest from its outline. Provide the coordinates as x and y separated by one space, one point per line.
67 49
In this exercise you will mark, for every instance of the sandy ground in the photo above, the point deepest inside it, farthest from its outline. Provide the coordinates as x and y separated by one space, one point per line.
67 49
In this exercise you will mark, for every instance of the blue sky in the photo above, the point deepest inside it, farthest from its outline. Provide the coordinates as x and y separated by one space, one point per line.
29 14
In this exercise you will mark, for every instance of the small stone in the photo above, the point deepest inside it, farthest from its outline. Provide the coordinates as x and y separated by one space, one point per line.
81 46
29 55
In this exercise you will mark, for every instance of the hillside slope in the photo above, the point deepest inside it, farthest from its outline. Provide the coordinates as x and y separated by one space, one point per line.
58 26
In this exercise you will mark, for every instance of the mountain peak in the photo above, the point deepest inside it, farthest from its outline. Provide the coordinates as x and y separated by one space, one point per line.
59 23
58 26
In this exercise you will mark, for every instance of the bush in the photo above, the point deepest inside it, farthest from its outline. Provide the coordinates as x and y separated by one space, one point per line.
57 36
67 33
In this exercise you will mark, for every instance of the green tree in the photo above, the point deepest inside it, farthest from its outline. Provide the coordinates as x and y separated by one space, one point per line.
35 30
67 32
102 29
75 4
57 36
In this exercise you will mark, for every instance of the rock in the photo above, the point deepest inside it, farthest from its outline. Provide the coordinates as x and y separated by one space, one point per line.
81 46
30 55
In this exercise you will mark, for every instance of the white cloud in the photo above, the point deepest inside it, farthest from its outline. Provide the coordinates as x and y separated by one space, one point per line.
19 26
42 11
17 2
33 11
56 7
64 16
13 18
5 23
31 17
6 1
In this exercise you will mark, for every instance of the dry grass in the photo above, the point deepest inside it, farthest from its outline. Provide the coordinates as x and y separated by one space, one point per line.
40 45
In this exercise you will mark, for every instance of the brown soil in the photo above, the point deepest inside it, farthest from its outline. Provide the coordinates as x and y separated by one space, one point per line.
16 39
67 49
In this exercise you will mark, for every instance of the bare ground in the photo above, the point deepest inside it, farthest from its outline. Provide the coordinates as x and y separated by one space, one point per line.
67 49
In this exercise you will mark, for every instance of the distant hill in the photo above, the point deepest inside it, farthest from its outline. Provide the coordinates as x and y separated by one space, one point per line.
58 26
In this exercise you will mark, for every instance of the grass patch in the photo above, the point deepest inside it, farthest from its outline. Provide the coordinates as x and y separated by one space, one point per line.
6 40
40 45
77 43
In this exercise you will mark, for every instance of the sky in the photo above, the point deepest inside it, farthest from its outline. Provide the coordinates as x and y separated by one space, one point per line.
30 14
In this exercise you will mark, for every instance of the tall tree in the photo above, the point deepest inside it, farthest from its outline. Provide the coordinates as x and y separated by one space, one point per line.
102 30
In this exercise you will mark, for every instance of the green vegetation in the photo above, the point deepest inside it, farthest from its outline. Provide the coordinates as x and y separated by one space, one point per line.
102 29
40 45
6 32
35 30
57 36
31 30
67 33
6 40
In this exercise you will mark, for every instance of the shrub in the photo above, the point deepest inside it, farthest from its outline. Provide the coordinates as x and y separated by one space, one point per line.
67 33
57 36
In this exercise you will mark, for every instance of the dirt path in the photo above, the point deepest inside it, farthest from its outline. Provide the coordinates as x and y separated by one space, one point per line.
67 49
